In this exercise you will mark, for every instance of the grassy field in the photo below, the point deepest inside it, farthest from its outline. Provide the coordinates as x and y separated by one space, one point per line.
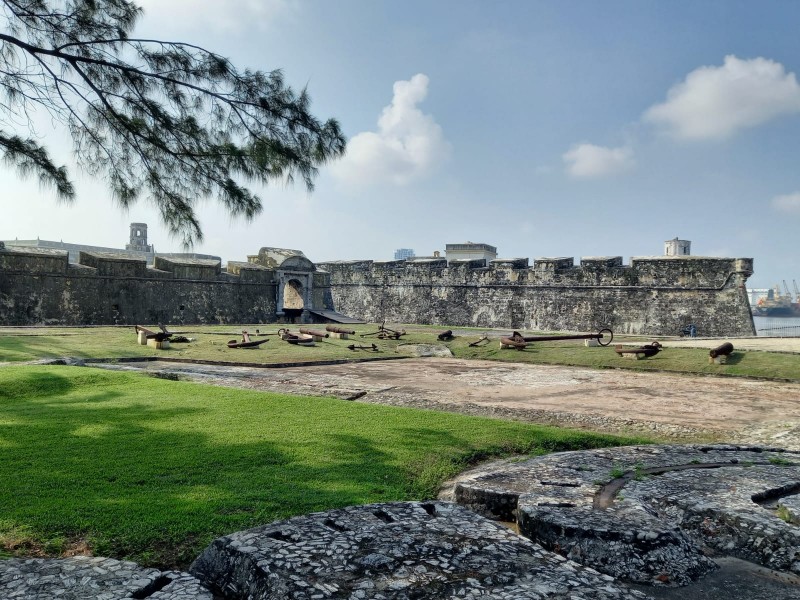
115 342
123 465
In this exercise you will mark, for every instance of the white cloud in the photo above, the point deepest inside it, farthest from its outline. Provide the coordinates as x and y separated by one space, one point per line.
716 102
788 203
587 160
407 146
227 16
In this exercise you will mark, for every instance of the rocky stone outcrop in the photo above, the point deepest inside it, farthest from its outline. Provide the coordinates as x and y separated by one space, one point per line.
394 551
646 513
93 578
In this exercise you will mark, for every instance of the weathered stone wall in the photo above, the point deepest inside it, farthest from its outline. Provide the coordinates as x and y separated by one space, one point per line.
41 287
657 296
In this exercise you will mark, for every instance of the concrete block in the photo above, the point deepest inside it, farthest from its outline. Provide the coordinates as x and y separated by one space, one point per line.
142 338
719 360
339 336
632 356
591 343
153 343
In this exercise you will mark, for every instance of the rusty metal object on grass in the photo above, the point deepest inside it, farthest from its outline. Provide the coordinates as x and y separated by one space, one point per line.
722 350
517 342
299 339
604 334
158 336
386 333
647 350
246 342
446 336
334 329
478 343
372 347
314 332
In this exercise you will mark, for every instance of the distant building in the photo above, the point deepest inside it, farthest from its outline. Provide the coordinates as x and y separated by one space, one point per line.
677 247
403 253
138 241
136 248
470 251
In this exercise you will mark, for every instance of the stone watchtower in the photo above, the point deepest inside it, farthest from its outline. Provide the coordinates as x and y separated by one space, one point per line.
138 240
677 247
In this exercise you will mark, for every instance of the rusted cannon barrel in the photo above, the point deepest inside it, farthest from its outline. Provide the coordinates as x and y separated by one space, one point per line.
315 332
445 335
723 350
334 329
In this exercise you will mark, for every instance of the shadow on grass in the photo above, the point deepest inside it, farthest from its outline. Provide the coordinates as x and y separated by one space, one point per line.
153 470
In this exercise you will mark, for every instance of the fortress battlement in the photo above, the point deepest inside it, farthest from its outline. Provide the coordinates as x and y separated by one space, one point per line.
657 271
650 295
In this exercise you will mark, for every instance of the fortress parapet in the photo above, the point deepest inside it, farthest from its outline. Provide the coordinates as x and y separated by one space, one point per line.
651 295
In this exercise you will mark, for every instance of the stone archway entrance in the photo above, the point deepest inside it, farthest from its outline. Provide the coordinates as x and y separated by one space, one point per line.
293 299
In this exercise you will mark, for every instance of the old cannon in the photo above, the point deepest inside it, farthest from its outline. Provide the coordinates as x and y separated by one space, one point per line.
340 330
645 351
315 332
720 354
723 350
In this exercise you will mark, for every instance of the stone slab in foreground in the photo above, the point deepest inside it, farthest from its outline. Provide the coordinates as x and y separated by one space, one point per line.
394 551
93 578
651 514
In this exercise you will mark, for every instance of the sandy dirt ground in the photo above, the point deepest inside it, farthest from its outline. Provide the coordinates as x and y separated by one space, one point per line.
675 407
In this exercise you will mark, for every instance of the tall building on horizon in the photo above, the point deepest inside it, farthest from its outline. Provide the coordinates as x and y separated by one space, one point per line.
403 253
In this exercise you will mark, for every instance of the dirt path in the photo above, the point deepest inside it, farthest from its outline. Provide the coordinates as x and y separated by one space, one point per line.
670 406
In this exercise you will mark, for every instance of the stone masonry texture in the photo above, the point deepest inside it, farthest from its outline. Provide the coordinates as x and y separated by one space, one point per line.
651 296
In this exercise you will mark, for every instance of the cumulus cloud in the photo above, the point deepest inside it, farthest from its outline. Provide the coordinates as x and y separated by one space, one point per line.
788 203
717 101
407 146
229 16
587 160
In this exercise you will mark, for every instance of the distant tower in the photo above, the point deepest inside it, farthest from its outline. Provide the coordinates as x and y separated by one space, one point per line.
139 238
403 253
677 247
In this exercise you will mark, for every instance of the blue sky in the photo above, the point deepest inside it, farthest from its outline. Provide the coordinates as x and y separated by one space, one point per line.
543 128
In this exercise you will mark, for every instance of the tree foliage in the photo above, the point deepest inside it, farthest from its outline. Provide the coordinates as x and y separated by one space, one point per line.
168 120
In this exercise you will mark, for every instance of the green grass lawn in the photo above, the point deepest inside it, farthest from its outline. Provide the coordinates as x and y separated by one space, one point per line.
115 342
128 466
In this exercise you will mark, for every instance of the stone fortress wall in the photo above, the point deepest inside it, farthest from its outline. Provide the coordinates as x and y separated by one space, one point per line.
43 287
651 295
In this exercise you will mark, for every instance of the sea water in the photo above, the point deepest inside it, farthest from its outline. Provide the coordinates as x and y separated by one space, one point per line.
777 326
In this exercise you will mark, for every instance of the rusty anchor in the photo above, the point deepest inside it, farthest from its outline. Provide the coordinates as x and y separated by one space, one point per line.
600 335
354 347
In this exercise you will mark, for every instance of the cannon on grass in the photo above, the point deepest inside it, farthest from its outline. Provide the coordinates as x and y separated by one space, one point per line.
339 330
645 351
720 354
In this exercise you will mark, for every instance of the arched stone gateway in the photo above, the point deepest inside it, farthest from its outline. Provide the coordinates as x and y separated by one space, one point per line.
295 277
